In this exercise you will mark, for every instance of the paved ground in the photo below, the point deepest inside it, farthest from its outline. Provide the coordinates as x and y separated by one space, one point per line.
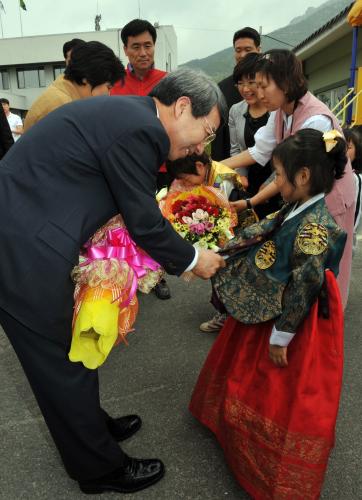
154 377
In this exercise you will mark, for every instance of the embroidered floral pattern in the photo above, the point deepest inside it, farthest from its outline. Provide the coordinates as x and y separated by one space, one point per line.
266 255
313 238
277 463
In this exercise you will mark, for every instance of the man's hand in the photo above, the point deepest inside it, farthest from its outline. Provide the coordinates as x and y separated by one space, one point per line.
278 355
207 264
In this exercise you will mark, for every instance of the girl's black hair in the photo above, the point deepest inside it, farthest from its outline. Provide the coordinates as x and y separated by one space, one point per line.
186 165
354 135
307 148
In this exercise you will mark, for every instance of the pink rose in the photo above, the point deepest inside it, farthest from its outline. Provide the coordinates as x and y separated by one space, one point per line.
198 228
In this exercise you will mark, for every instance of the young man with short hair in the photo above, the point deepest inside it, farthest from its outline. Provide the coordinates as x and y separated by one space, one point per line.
6 137
15 122
69 46
139 38
245 41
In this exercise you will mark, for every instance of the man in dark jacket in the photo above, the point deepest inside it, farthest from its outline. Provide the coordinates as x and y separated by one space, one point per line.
73 171
245 41
6 137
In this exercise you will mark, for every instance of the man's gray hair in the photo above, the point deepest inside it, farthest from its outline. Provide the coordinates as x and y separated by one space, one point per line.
202 91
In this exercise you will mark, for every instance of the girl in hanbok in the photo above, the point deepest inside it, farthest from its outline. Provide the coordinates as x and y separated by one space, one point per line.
271 384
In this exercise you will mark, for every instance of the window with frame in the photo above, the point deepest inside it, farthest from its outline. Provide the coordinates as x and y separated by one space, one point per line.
58 70
30 77
4 80
333 96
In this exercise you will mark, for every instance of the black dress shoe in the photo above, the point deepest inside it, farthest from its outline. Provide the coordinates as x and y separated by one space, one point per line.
162 290
135 475
124 427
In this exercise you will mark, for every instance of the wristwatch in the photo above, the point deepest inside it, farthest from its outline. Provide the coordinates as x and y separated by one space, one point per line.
248 203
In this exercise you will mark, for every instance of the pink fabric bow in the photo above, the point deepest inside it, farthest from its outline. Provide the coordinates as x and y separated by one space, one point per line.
119 245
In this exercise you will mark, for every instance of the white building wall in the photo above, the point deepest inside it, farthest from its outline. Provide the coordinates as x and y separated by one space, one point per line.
49 48
46 51
166 49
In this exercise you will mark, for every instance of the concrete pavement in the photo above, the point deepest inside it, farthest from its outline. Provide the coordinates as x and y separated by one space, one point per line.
154 377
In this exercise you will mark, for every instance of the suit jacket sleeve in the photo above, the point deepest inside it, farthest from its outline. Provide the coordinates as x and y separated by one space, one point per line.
130 166
234 144
237 128
6 137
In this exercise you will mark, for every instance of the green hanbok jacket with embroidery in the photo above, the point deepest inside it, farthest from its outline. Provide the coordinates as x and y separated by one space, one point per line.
280 272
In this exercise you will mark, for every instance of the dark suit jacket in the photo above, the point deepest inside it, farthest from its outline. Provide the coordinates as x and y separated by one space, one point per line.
220 147
74 170
6 137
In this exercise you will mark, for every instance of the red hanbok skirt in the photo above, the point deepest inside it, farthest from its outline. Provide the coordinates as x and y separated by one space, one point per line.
276 425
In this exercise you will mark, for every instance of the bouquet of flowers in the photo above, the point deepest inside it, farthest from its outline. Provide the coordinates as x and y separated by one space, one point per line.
111 269
201 216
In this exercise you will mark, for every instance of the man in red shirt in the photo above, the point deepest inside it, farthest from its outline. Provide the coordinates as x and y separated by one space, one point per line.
139 38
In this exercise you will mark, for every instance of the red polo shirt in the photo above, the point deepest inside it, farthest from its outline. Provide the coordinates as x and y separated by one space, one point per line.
135 86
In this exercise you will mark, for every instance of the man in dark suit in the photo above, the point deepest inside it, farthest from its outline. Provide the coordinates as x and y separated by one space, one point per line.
73 171
245 41
6 137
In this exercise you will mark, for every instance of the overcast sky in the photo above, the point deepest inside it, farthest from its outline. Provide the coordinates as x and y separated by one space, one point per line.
202 26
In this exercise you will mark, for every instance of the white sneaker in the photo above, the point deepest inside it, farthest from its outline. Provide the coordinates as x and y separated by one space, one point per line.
214 324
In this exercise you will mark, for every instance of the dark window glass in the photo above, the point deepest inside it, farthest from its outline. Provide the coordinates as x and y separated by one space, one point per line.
58 70
31 78
4 80
41 77
21 79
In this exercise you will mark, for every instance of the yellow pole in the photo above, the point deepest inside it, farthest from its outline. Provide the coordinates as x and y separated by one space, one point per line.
358 107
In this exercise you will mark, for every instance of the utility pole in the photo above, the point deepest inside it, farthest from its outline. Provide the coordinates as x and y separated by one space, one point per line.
21 21
97 25
2 8
97 19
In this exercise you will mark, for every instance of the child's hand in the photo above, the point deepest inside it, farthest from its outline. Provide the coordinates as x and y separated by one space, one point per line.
239 205
278 355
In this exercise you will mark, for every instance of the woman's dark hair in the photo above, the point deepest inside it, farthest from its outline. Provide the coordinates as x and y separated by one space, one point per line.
137 27
286 70
307 148
245 68
354 135
186 165
94 62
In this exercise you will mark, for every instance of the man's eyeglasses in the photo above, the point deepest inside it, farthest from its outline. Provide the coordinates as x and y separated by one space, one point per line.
211 133
249 84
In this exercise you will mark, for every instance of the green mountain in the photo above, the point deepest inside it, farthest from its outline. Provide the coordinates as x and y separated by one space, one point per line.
220 64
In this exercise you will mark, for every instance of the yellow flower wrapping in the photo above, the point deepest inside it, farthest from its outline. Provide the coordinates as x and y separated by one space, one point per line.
102 315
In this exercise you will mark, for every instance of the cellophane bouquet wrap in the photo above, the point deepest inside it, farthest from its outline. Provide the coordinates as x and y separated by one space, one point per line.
111 269
202 216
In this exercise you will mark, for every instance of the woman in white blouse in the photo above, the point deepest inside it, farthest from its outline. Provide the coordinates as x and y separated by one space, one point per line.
282 88
245 119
